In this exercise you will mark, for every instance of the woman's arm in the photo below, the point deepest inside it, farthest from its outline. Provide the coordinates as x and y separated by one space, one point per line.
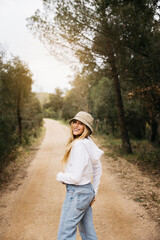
79 160
97 172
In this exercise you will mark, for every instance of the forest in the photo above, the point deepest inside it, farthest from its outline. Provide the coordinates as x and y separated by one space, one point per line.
117 44
20 111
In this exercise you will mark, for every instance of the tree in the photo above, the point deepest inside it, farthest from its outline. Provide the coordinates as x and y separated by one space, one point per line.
76 99
99 30
53 108
20 111
32 117
56 100
150 99
16 85
103 106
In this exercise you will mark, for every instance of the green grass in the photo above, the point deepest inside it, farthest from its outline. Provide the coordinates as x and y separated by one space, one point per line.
21 156
145 155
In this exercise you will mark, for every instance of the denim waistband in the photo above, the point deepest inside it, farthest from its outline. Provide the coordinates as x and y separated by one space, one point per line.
88 185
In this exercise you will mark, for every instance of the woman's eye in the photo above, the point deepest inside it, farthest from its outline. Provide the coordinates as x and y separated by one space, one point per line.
78 123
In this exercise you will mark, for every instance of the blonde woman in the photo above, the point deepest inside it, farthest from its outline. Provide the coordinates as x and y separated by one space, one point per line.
82 163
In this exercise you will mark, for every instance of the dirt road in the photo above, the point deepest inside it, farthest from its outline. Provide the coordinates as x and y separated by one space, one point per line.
32 211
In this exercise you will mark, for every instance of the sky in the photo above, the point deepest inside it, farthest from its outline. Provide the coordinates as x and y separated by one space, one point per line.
48 73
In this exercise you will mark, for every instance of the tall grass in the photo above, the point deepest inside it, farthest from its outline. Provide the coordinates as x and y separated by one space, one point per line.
145 154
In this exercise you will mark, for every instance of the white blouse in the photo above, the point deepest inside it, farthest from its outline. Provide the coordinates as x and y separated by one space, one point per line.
83 164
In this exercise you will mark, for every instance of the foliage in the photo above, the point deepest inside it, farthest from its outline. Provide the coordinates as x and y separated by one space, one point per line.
77 98
20 111
53 107
145 155
32 118
118 44
78 23
103 106
42 97
136 118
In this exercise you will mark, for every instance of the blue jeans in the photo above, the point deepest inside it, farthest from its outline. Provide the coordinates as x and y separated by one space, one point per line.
76 211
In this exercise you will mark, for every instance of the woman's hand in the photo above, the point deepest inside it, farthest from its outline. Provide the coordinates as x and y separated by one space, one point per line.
94 199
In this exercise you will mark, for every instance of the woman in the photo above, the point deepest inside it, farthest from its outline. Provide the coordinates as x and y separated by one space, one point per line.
82 162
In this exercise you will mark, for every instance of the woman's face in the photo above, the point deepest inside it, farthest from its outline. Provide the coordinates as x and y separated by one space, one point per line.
77 128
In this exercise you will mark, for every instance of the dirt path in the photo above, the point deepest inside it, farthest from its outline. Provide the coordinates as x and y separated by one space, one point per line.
32 211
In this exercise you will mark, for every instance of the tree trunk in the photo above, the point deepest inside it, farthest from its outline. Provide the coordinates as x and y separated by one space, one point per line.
19 118
124 133
154 130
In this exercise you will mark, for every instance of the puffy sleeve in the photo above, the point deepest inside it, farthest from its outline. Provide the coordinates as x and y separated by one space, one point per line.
97 172
95 154
79 160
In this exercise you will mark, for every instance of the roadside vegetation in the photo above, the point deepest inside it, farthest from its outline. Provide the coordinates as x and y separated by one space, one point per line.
145 154
118 45
20 111
18 164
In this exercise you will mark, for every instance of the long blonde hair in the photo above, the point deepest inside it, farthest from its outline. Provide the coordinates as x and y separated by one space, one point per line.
72 140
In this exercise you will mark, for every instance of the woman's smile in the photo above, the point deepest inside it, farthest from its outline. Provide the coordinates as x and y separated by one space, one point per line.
77 127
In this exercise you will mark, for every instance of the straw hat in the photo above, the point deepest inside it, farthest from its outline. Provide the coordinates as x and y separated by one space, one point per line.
85 118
